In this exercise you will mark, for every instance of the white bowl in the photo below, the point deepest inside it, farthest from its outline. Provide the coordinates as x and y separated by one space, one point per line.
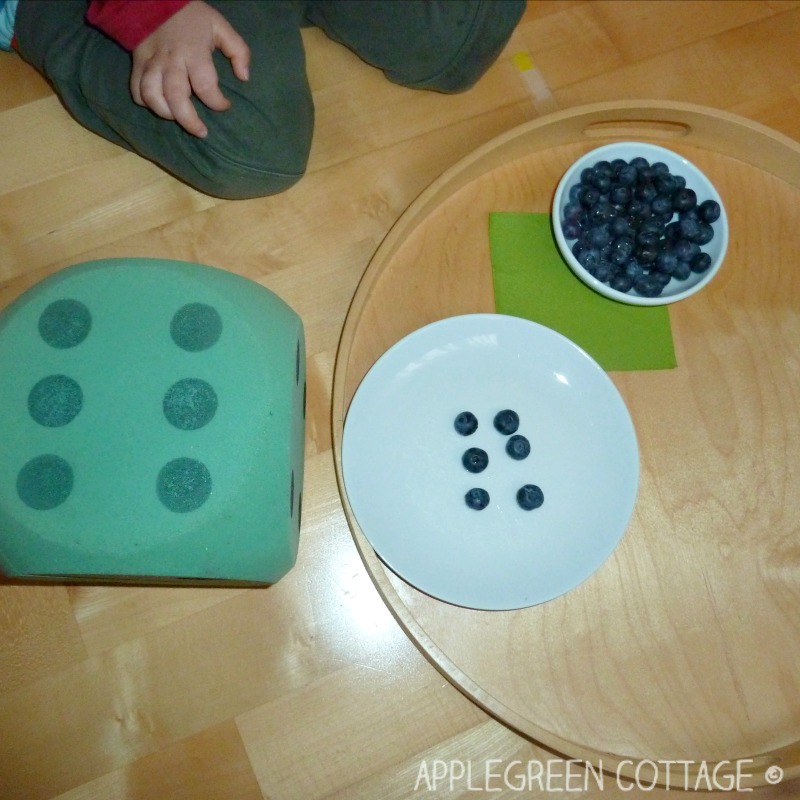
676 289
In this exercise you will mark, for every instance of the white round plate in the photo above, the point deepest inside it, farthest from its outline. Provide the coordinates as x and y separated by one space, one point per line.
404 479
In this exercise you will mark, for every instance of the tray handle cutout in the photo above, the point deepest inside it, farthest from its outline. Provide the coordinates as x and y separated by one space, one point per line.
633 129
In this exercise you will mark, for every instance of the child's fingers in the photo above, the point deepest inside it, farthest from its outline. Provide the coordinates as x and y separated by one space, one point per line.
234 48
177 94
205 84
166 91
150 92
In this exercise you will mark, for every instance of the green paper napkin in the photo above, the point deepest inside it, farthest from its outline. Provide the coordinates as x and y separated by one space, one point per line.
532 281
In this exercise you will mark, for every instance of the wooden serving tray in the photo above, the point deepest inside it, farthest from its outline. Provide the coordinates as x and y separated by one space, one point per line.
685 644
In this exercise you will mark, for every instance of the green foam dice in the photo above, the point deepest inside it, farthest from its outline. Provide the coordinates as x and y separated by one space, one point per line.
152 426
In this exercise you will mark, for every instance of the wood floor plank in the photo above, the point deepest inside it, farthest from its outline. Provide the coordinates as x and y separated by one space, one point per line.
213 765
40 635
61 145
110 615
19 84
317 745
646 28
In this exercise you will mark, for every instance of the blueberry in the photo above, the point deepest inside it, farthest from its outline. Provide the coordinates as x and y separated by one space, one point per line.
689 228
506 421
623 247
685 250
639 209
654 224
620 195
589 196
601 213
684 199
659 169
709 211
660 277
648 286
530 497
572 212
518 447
667 184
646 237
602 181
682 271
646 192
466 423
646 253
646 175
666 262
604 168
633 269
639 162
477 499
618 258
689 213
672 232
627 175
662 204
475 460
621 282
599 237
700 263
705 233
619 226
589 257
603 271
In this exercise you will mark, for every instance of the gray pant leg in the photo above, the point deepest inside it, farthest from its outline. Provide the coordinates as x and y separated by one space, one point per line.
257 147
444 45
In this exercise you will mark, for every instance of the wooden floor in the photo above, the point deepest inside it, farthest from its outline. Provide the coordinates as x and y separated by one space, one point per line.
308 689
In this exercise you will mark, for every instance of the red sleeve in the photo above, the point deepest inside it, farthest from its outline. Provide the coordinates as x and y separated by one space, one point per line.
129 22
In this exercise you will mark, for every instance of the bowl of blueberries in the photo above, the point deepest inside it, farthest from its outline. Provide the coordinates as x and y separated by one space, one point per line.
639 223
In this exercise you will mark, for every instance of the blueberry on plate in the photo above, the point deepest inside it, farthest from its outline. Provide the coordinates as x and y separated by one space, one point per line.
506 421
466 423
529 497
477 499
518 447
475 460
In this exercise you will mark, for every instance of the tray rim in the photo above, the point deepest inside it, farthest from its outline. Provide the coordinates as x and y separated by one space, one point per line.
746 140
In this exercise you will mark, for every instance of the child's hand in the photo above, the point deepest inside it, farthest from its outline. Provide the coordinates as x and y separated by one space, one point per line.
175 61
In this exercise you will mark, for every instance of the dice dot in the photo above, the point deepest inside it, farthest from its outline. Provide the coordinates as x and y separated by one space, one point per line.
196 327
55 401
65 323
190 404
45 482
183 484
